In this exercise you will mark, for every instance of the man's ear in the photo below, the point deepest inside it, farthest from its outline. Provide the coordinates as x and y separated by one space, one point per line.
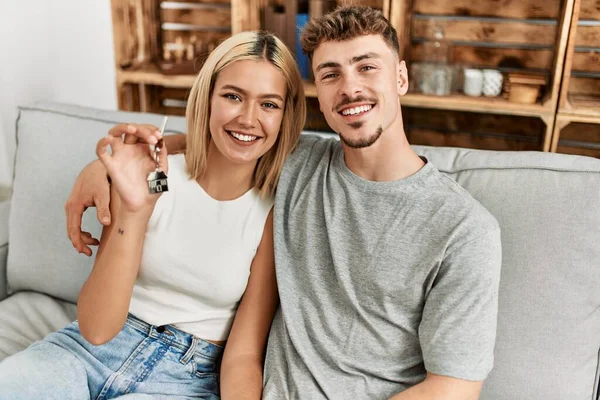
402 78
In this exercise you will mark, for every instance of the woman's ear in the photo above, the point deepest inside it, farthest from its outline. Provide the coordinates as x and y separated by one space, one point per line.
402 75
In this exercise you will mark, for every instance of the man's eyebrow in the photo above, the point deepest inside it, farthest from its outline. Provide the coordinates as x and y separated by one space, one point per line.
356 59
329 64
262 96
353 60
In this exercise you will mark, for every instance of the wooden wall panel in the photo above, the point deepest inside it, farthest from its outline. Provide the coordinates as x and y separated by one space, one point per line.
199 1
169 36
467 140
586 61
579 151
590 9
484 31
205 17
174 93
314 118
480 131
522 9
492 57
581 132
589 86
367 3
588 36
472 122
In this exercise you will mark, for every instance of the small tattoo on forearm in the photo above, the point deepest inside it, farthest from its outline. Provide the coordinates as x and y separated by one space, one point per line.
121 231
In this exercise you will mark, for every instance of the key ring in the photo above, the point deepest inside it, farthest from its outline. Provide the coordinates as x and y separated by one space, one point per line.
159 144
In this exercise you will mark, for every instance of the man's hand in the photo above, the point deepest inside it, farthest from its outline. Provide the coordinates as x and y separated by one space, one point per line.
91 188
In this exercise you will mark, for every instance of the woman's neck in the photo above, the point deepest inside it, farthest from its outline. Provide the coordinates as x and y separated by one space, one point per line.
223 180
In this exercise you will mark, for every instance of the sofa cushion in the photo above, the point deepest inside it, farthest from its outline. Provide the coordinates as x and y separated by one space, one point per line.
54 142
27 317
548 208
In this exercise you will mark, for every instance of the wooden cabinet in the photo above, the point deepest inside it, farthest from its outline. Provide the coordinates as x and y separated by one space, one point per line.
530 36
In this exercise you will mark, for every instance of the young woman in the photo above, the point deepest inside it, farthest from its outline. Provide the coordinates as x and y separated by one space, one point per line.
173 269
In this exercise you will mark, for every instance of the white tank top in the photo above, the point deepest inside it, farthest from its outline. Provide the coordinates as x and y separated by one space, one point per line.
196 256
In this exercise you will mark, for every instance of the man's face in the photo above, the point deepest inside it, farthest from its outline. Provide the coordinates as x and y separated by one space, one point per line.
358 83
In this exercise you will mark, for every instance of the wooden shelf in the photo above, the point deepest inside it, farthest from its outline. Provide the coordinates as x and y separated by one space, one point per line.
150 74
570 117
457 102
582 105
582 138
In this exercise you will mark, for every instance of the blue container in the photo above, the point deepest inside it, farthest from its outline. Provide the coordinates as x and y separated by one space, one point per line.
302 59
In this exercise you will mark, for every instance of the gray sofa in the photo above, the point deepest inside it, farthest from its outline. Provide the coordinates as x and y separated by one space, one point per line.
548 206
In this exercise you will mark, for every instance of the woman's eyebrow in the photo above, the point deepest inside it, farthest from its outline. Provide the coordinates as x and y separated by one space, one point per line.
244 92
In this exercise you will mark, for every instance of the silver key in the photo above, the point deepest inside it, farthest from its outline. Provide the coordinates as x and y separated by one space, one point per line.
157 179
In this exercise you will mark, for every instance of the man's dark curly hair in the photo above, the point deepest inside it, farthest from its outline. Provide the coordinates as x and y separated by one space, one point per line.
347 23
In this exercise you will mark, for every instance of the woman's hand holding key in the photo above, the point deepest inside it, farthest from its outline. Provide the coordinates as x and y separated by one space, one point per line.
128 168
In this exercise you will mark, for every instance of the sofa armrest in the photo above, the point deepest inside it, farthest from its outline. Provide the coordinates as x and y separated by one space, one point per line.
4 214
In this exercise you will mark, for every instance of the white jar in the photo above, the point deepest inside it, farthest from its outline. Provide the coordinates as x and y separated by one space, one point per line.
473 83
492 82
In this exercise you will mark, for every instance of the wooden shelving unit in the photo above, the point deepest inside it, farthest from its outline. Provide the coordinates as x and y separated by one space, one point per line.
577 127
519 36
580 92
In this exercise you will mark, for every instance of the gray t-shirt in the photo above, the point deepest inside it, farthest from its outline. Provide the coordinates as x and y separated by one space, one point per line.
379 281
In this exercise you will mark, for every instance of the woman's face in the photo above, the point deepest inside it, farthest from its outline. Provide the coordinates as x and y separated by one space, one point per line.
246 110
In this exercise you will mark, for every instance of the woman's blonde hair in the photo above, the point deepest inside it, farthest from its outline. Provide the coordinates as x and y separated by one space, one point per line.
246 46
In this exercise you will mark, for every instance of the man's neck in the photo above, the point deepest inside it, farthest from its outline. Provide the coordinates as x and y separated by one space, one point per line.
390 158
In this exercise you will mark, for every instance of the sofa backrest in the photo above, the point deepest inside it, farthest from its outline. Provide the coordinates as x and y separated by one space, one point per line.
54 142
548 207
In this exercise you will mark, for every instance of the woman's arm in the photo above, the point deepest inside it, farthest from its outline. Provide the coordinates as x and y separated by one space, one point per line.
104 300
242 366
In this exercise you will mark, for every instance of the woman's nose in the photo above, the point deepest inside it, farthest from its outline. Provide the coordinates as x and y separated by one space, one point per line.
247 117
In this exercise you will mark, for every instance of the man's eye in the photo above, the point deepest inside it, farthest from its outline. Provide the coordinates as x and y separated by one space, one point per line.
367 68
232 96
328 76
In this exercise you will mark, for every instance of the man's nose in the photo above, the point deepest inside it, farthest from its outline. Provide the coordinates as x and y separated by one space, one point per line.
350 86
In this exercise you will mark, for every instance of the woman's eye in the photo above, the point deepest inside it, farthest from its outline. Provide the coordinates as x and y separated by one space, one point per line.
271 105
232 96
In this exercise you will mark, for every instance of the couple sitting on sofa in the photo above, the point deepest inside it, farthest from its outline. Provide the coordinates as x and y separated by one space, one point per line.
385 271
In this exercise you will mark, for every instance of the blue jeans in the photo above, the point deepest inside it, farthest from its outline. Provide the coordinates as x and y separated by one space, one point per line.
142 362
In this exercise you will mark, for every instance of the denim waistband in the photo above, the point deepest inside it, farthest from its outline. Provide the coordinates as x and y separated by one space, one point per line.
186 342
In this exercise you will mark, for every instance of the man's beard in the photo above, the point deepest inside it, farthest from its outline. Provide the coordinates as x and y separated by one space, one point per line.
363 142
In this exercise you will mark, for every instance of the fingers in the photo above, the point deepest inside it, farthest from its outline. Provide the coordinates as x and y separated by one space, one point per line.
88 240
74 214
136 132
102 152
122 129
102 200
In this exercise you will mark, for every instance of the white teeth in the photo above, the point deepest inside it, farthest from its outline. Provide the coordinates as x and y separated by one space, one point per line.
356 110
243 138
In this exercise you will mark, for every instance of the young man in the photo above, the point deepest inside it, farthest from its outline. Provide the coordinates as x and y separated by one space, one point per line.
388 271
